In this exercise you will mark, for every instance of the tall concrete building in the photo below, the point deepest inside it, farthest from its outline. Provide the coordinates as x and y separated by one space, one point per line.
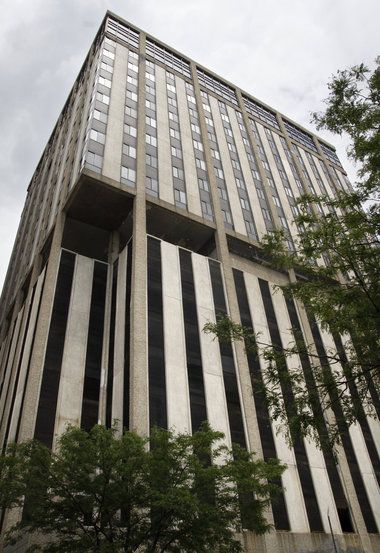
142 222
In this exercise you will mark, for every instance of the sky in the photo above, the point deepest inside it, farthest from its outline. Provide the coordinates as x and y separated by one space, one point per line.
283 52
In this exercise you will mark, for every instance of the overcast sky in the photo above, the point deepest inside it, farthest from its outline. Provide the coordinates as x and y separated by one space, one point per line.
281 51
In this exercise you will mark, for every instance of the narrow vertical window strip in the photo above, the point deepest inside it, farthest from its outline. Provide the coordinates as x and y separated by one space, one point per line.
362 419
328 454
127 331
280 514
193 349
10 371
47 405
111 346
344 433
156 354
303 467
93 364
228 365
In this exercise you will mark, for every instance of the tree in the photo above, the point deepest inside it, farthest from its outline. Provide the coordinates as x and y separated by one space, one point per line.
108 493
343 292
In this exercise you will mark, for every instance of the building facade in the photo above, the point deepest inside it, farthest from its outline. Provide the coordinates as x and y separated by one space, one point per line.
142 222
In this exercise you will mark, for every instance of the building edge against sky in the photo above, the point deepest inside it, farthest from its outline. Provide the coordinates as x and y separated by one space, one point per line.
142 222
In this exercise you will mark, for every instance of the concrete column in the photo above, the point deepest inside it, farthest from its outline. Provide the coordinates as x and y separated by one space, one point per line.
139 395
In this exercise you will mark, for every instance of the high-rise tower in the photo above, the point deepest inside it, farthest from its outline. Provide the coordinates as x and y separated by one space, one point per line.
142 222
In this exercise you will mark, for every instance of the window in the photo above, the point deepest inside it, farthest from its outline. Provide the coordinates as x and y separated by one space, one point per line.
206 208
209 121
132 95
170 87
239 183
200 164
203 184
222 193
131 80
152 140
283 222
266 214
180 196
198 145
129 129
174 134
191 98
150 105
172 102
149 64
129 150
206 107
94 159
231 147
244 203
97 136
260 193
276 201
250 157
235 164
151 160
133 55
195 128
250 228
133 67
109 54
150 121
227 217
177 173
173 117
150 90
176 152
131 112
193 113
100 116
215 154
128 174
228 132
152 184
211 136
219 172
225 117
246 141
103 98
104 65
150 76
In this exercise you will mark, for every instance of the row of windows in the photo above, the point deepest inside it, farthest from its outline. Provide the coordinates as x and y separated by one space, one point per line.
262 113
215 85
235 162
180 198
151 158
203 186
168 58
95 137
122 32
129 150
219 173
300 136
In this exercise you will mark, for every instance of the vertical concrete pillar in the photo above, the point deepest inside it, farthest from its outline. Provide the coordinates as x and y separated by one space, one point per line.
139 400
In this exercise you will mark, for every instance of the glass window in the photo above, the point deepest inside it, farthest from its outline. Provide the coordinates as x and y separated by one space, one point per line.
173 117
94 159
200 163
100 116
170 87
103 98
203 184
198 145
130 129
152 140
219 172
128 174
195 128
176 152
150 121
132 95
222 193
131 80
174 134
97 136
244 203
151 184
180 196
131 112
129 150
151 160
178 173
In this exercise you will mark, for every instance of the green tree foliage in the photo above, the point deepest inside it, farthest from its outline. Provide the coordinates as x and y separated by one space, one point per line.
108 493
343 293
